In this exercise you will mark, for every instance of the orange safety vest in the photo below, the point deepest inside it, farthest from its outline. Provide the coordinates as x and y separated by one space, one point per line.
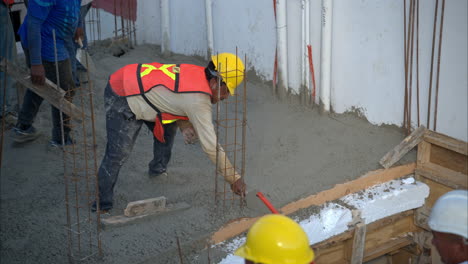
138 79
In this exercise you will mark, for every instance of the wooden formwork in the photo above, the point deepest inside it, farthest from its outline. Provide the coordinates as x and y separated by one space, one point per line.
401 238
405 237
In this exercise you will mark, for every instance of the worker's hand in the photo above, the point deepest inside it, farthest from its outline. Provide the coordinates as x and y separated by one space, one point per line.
79 34
38 74
190 136
238 187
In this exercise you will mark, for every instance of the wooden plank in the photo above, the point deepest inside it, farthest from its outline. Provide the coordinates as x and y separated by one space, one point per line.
122 220
452 179
449 159
340 190
446 142
383 236
436 189
421 217
144 207
331 255
424 153
404 147
372 178
49 91
389 246
358 244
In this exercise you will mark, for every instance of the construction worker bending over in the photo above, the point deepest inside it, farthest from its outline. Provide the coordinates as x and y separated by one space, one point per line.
156 95
276 239
449 224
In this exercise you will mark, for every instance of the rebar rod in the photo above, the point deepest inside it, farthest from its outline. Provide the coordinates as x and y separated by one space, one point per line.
225 131
438 63
115 19
93 127
417 60
432 65
244 121
70 242
179 250
235 125
217 145
405 108
5 82
410 90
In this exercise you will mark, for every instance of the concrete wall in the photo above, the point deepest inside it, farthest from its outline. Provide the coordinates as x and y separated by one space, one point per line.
367 51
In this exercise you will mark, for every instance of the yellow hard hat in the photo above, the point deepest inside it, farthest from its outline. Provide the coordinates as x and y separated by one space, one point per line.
231 68
276 239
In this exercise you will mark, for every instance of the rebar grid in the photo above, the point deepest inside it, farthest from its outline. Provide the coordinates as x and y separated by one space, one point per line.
231 116
127 30
80 177
93 24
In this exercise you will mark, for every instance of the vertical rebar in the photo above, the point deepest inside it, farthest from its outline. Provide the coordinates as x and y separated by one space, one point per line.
432 65
217 144
96 191
406 66
5 82
70 242
410 90
226 126
417 60
179 250
115 19
236 95
244 120
438 63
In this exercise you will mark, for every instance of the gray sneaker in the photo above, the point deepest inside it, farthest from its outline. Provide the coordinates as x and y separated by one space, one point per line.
26 135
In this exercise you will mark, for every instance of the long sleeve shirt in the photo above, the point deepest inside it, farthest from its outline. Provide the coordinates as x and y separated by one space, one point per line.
198 108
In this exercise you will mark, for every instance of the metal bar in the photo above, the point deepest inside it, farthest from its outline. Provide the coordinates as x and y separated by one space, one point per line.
410 90
417 61
432 66
406 66
244 122
5 82
93 127
179 250
438 64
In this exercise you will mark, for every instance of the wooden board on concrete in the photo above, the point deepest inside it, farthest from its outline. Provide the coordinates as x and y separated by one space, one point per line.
49 91
144 207
122 220
372 178
404 147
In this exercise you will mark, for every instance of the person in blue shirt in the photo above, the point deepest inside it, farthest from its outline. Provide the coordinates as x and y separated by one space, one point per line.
7 51
45 17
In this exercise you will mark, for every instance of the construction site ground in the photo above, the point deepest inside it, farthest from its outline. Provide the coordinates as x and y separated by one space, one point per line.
292 151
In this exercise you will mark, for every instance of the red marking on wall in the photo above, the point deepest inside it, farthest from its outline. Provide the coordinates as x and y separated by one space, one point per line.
125 8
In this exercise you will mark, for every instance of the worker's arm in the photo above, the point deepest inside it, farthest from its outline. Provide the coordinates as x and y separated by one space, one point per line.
189 133
37 13
200 115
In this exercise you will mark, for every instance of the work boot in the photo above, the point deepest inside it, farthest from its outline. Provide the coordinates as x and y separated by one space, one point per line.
22 134
104 207
153 174
58 143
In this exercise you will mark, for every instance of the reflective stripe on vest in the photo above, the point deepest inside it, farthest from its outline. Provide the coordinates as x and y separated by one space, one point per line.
149 68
